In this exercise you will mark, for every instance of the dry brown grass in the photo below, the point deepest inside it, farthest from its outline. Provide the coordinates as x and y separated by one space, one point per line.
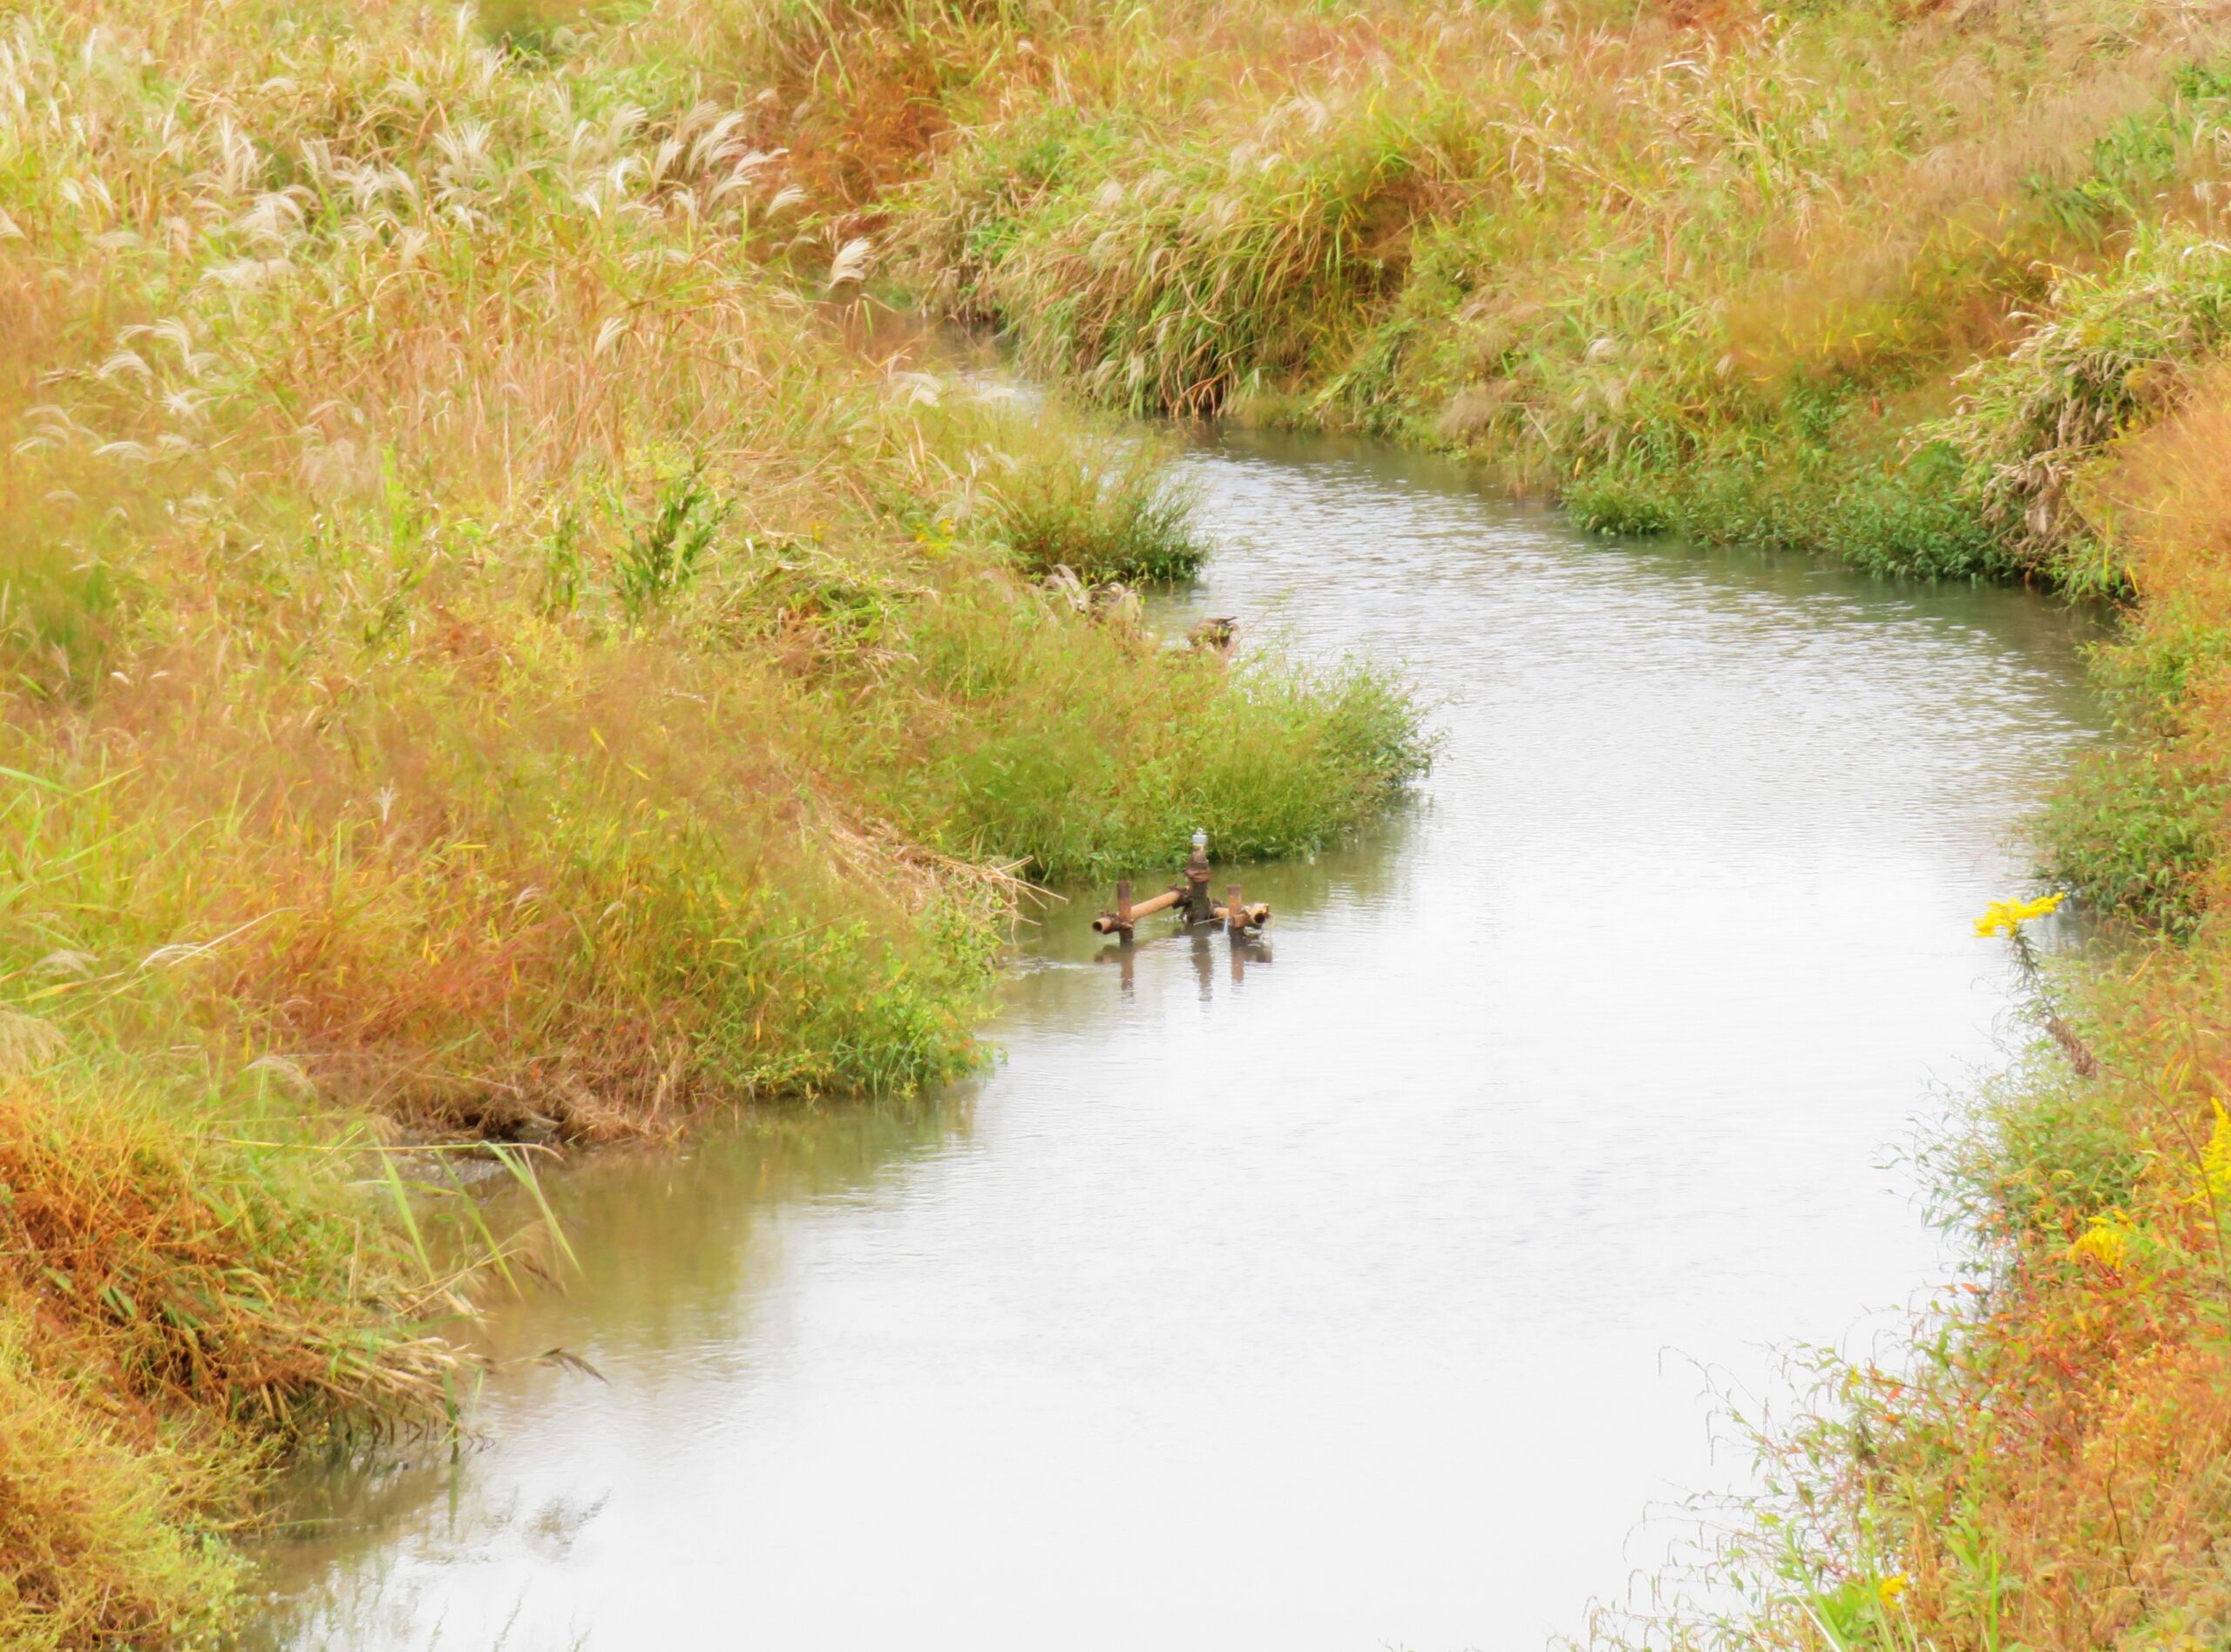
125 1244
2165 492
167 1304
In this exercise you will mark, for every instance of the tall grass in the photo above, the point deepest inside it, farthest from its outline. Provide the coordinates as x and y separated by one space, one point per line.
1718 276
483 655
1106 509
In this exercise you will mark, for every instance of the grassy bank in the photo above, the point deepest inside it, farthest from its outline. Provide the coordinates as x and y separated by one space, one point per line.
1728 271
484 658
1940 289
2044 1465
2049 1470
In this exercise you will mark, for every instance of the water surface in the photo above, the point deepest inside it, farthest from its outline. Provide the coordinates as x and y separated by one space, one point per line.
1343 1291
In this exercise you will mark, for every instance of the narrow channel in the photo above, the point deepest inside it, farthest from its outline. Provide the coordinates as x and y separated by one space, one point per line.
1351 1290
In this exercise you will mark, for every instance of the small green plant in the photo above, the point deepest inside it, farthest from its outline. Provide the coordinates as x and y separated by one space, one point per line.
2135 835
663 553
1611 502
564 568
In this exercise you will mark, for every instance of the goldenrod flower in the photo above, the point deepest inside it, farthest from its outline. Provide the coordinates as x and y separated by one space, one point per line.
2215 1158
2004 917
1891 1587
2106 1241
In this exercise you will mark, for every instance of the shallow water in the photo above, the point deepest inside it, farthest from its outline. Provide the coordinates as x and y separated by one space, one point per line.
1351 1290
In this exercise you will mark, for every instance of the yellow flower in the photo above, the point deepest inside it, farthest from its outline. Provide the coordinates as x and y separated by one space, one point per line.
2215 1158
2004 917
1891 1587
2106 1241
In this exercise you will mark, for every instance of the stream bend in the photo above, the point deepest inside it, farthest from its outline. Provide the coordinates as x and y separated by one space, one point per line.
1348 1290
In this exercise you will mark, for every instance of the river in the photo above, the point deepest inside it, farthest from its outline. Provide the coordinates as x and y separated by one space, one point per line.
1353 1289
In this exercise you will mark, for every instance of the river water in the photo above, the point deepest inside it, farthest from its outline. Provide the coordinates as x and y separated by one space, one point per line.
1353 1289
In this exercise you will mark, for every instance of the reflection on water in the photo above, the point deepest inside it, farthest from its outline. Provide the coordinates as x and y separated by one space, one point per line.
1209 951
1316 1292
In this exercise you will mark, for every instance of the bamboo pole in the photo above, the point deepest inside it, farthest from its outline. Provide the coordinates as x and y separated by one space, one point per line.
1119 922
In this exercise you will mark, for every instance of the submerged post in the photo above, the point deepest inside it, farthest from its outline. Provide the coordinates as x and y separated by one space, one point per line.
1235 914
1124 904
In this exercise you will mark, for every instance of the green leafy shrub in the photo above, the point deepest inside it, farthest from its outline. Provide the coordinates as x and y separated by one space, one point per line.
2134 833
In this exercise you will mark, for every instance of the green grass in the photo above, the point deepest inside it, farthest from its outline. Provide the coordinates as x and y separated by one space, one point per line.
1107 510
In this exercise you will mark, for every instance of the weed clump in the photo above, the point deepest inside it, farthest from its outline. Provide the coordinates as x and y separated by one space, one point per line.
2137 834
2116 351
1112 512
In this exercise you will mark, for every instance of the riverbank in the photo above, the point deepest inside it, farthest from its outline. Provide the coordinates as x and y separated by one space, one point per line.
487 662
1860 282
1940 290
2046 1469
